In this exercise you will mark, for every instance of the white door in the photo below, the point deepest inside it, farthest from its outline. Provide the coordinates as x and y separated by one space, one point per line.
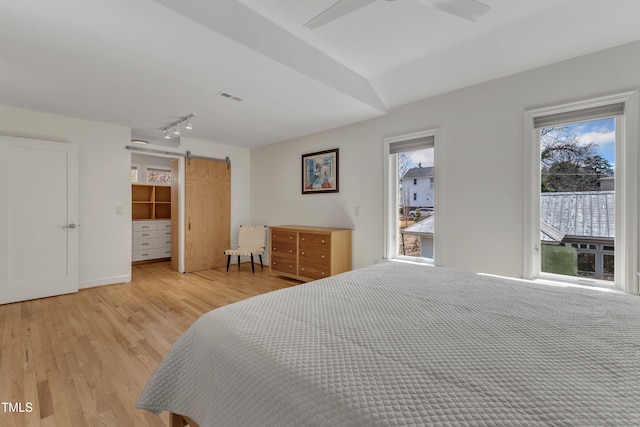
38 219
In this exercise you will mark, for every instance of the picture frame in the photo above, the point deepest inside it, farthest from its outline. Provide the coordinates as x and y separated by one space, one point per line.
320 172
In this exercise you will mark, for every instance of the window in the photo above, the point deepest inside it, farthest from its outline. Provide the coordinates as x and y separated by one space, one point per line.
155 175
134 174
410 199
583 175
576 158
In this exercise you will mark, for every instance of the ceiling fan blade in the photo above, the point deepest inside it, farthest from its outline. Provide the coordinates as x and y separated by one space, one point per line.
338 9
471 10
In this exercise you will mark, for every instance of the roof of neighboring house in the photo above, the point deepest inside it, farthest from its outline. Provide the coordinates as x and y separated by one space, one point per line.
419 172
424 227
550 234
579 214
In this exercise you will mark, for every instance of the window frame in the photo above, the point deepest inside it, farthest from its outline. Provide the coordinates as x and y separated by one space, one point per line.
392 197
626 188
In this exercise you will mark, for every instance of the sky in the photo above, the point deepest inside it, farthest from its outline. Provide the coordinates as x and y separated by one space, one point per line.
421 156
602 132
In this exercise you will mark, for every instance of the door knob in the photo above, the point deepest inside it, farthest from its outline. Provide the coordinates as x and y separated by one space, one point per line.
71 226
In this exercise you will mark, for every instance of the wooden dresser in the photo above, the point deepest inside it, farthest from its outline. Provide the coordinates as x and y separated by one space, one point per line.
309 253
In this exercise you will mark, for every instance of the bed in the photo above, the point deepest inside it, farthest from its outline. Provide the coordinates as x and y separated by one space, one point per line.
400 344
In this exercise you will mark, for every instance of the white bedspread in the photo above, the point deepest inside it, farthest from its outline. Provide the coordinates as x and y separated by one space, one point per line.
399 344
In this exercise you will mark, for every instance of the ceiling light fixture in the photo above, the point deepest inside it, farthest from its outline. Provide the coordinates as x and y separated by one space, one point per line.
139 141
176 126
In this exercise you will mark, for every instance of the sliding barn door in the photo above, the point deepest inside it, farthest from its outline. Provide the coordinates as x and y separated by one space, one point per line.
207 213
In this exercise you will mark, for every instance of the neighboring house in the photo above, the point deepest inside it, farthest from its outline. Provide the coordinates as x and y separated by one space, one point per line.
424 229
580 225
417 187
584 222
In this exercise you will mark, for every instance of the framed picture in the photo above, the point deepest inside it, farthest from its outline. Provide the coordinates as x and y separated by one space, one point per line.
320 172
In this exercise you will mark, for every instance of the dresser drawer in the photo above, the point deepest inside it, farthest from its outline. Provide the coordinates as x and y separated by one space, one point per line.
314 271
145 254
152 243
143 235
163 226
283 236
315 240
284 249
163 233
315 254
144 226
284 265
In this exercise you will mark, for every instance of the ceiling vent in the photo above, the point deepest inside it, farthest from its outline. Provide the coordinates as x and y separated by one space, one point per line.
229 96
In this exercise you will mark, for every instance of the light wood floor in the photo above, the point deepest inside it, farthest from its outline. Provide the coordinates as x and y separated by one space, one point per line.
82 359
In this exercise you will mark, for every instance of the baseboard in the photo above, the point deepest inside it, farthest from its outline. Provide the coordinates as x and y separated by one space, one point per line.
108 281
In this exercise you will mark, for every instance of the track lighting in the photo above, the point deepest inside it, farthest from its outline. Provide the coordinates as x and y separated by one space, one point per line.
176 126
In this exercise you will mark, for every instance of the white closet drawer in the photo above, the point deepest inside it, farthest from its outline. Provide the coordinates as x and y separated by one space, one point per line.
143 254
144 225
163 232
156 242
150 240
163 225
144 235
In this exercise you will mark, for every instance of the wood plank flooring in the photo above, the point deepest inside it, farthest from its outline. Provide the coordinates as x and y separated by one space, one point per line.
82 359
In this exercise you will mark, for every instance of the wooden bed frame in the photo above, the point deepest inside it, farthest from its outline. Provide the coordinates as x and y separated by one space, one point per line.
177 420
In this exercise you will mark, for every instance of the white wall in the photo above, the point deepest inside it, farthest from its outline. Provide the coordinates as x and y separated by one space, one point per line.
105 165
481 133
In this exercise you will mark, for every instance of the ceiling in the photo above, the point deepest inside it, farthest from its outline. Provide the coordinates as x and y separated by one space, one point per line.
146 63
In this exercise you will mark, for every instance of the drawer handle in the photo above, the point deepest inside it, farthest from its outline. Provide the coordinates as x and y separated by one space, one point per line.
145 226
302 253
303 238
301 268
170 242
145 244
323 241
290 251
274 263
145 254
323 273
145 235
275 249
291 266
290 237
322 256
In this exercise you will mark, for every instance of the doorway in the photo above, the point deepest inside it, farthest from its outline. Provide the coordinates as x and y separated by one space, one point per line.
151 208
